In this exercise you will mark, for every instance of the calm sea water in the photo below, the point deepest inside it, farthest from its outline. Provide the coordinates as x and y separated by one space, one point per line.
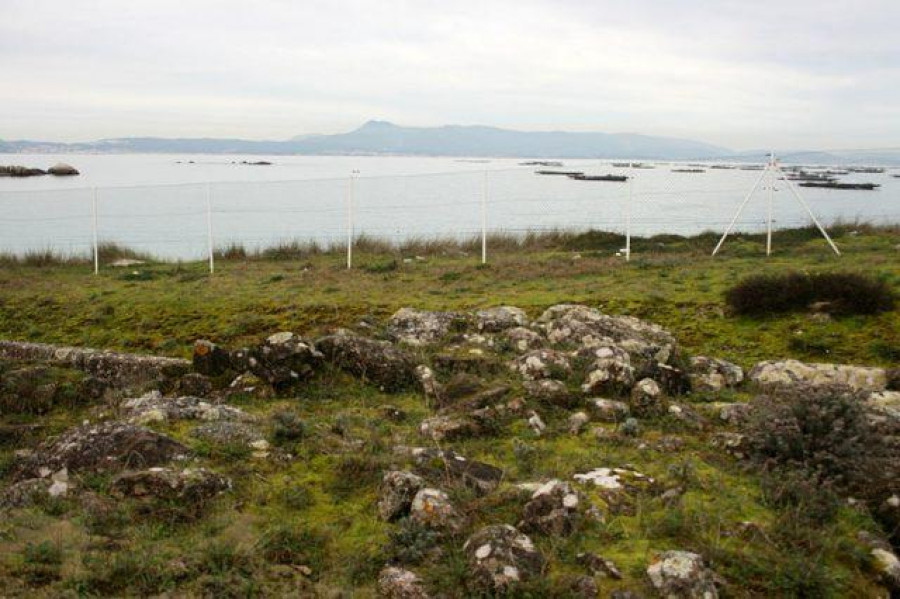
158 203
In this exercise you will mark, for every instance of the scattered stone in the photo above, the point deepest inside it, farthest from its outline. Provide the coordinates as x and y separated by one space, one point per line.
554 509
577 422
549 391
210 359
432 509
631 427
610 374
102 447
249 385
607 410
674 381
193 486
194 384
542 364
617 487
500 556
522 339
284 359
732 413
793 372
398 488
647 400
494 320
536 424
734 444
686 414
713 374
681 574
419 327
584 587
479 476
388 367
599 566
153 407
116 369
226 432
397 583
35 491
449 428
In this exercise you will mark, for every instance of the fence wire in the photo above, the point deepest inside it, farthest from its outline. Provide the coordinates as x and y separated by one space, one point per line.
174 221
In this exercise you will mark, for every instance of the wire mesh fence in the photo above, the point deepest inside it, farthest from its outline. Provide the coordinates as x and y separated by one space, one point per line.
187 221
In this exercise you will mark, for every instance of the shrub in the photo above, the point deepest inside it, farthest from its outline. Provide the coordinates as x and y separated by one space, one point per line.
287 427
410 542
845 293
819 441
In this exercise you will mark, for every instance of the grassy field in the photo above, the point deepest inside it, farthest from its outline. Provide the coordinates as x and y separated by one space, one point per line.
317 510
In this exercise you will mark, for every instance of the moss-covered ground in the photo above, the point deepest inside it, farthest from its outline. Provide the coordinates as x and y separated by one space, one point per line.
309 525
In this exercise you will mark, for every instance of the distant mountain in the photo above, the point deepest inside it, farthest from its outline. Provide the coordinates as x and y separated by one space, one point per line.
881 157
383 138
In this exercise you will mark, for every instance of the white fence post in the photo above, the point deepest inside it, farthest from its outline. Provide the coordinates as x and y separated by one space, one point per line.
484 195
209 229
350 186
628 216
94 230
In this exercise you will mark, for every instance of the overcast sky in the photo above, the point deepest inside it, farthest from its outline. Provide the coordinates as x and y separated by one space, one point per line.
743 74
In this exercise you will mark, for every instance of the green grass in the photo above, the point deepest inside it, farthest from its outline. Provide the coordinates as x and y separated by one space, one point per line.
317 510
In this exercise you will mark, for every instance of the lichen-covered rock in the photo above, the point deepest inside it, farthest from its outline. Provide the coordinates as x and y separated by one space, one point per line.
194 384
734 444
499 557
731 413
554 509
794 372
609 374
119 370
420 327
193 486
617 487
549 391
522 339
432 508
102 447
686 415
398 488
647 399
494 320
883 406
284 359
542 364
536 423
380 362
713 374
599 565
153 407
249 385
577 422
449 428
479 476
607 410
36 491
210 359
587 327
682 575
397 583
227 432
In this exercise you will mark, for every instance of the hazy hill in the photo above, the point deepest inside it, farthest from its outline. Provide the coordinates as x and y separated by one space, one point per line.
379 137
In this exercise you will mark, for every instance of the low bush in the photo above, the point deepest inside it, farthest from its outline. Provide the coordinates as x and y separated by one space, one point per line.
841 293
814 443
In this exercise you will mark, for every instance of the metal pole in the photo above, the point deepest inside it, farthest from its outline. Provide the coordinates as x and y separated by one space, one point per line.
738 213
209 229
350 184
484 193
628 216
771 169
810 213
94 227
